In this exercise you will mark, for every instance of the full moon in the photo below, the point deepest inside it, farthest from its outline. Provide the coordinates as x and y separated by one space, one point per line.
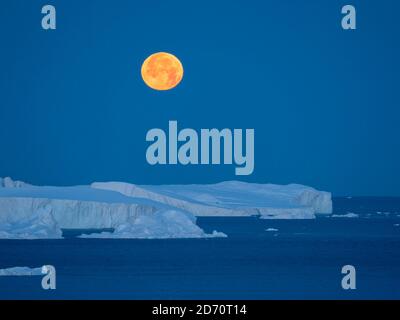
162 71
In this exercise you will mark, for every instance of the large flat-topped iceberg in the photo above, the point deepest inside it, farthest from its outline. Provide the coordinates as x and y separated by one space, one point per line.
233 198
133 211
33 212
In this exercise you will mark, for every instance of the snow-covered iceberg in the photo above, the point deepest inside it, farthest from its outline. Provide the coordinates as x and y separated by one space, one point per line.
133 211
42 212
233 198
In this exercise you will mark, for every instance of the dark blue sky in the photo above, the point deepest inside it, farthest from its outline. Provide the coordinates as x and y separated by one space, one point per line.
324 102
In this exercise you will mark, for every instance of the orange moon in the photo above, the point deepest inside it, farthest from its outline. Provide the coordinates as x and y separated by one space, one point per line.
162 71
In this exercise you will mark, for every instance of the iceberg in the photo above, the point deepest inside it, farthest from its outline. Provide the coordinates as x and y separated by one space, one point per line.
233 198
135 211
33 212
21 271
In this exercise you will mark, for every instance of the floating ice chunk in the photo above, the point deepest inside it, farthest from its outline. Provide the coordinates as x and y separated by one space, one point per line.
383 213
21 271
271 230
348 215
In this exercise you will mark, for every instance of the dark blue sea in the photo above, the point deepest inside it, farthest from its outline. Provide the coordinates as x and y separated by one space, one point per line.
302 260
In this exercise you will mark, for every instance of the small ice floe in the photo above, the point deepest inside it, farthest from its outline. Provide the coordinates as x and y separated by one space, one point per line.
347 215
21 271
397 224
349 197
271 230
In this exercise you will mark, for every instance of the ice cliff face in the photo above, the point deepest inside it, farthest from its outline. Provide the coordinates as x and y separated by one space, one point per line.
30 218
233 198
71 214
24 219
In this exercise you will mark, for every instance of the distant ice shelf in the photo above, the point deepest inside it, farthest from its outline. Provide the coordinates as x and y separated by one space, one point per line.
146 212
233 198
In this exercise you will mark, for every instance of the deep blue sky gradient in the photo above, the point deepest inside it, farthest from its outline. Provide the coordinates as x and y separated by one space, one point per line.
324 102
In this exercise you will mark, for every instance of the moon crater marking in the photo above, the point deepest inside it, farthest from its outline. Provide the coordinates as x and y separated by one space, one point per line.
162 71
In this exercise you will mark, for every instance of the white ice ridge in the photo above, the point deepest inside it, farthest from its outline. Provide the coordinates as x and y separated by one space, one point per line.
21 271
10 183
233 198
41 212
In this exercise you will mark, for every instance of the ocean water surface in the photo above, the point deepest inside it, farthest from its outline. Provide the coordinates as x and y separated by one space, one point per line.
295 259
